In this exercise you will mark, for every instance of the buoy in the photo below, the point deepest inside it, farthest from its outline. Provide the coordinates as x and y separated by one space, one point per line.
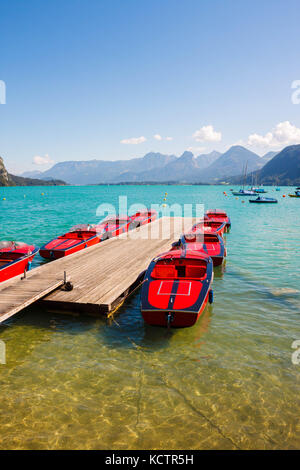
243 202
283 195
42 194
164 205
4 199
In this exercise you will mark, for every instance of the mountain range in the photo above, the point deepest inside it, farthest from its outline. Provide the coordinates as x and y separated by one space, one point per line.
156 167
6 179
273 168
283 168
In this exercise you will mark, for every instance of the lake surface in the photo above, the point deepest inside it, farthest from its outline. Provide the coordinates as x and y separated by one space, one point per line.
227 383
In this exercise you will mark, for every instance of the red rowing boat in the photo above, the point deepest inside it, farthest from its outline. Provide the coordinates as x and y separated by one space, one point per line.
84 236
220 216
114 225
78 238
210 243
15 258
177 288
209 226
144 216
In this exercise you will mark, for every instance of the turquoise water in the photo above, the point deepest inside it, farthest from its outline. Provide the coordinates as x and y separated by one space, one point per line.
227 383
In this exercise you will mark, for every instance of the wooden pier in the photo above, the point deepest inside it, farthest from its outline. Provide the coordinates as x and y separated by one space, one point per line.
101 276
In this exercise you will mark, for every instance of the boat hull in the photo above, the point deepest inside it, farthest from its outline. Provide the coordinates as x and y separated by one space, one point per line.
72 242
212 245
176 289
17 267
250 193
52 251
210 226
141 218
180 319
220 216
263 202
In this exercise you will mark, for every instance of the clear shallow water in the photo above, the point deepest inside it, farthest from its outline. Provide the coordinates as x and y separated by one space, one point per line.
228 382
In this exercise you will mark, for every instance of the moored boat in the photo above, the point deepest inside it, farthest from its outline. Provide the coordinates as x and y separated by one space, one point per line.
208 225
114 225
143 217
297 194
86 235
176 288
15 258
264 200
219 215
244 192
258 190
208 243
78 238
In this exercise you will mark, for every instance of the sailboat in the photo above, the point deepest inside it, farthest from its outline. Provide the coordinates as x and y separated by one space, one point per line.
244 192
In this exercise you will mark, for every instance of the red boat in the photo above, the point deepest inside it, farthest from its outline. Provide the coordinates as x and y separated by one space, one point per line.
114 225
177 288
84 236
15 258
220 216
78 238
209 226
209 243
144 216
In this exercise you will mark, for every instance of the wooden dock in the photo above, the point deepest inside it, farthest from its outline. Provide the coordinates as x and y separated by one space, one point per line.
102 275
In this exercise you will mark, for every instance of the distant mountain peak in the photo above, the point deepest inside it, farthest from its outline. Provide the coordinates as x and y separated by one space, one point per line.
187 156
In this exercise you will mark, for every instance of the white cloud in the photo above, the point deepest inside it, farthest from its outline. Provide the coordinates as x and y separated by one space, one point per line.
160 138
46 160
282 135
207 134
134 140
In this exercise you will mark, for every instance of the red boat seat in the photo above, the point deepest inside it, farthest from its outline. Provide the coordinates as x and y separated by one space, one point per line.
162 272
195 272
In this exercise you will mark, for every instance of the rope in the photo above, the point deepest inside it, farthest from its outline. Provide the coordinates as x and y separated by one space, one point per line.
112 312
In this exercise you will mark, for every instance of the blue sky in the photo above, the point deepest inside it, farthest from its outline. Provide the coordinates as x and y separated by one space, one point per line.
98 79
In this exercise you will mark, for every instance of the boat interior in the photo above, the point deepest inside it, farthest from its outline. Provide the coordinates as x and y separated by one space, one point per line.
201 238
80 234
214 224
9 257
180 268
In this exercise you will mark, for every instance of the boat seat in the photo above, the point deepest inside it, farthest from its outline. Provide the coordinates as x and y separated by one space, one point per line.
163 272
3 262
195 272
